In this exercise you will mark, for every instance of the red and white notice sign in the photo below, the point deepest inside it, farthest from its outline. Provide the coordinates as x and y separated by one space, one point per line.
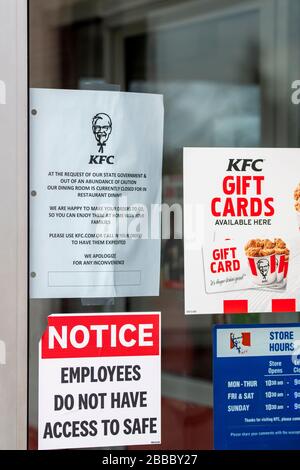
241 230
99 380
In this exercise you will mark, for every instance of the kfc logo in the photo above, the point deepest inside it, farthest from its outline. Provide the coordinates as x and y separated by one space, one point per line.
240 342
102 127
243 164
263 266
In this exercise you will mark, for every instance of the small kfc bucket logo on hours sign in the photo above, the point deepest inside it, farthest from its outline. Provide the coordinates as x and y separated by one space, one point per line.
240 341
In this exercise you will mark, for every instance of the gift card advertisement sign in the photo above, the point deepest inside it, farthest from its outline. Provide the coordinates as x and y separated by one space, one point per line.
96 161
257 387
99 381
241 230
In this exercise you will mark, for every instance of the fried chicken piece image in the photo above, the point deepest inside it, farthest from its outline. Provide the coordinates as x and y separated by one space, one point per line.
267 251
297 193
250 244
280 251
253 252
266 247
279 243
254 243
297 205
297 198
268 244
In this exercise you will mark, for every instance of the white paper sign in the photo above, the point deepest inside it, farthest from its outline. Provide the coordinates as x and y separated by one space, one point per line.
241 230
96 162
99 381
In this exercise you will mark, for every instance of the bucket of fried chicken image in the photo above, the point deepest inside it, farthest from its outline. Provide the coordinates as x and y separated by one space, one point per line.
282 259
262 261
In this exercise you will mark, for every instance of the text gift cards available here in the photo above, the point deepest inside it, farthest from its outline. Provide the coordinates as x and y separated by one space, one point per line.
100 381
257 387
96 163
241 230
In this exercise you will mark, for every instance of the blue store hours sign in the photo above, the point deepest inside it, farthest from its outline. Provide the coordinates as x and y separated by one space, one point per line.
257 386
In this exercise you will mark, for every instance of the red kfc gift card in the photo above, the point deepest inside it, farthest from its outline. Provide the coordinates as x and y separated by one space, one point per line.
241 228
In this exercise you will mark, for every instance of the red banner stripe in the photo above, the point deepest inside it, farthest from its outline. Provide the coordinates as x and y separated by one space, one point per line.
281 263
252 266
283 305
235 306
286 267
273 263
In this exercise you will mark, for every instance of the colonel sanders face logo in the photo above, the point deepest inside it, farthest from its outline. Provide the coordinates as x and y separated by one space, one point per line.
263 266
102 127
